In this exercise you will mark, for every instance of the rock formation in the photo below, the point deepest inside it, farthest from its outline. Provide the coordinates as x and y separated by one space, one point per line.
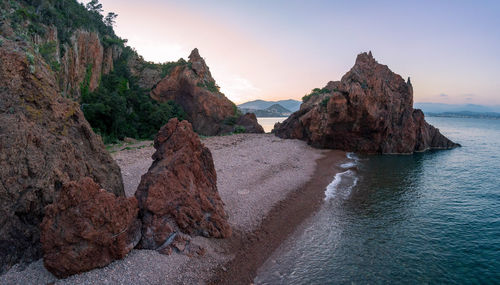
84 60
191 85
179 194
369 110
87 227
45 142
247 121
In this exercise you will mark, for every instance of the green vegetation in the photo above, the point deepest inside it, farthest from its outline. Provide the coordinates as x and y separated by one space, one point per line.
210 86
314 92
33 17
85 85
324 102
31 60
49 53
239 129
120 108
231 121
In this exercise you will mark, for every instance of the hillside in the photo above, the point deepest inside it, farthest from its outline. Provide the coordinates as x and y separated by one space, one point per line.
428 107
290 104
275 110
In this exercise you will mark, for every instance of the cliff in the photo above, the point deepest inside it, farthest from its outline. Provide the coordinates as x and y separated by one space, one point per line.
192 86
369 110
45 142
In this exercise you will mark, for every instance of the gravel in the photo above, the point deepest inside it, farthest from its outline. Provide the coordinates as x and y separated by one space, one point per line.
254 172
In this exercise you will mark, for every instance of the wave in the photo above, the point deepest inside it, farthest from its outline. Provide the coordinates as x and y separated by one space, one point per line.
341 186
349 164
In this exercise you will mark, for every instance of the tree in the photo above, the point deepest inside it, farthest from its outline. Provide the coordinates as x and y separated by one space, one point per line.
109 20
94 6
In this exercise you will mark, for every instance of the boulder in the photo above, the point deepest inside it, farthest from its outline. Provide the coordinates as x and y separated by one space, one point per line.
191 85
369 110
87 228
247 121
45 142
179 193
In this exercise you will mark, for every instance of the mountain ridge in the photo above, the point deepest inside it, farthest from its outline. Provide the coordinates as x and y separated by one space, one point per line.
259 104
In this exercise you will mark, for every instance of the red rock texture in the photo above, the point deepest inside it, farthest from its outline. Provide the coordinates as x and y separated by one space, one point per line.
179 194
45 142
191 86
87 228
248 122
370 110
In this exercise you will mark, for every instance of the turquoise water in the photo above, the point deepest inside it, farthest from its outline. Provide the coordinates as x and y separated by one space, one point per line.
405 219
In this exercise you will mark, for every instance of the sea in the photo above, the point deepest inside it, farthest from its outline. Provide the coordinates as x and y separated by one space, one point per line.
268 122
426 218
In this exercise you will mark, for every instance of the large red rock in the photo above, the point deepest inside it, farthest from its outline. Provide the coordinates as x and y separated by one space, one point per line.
370 110
192 86
87 228
45 142
179 193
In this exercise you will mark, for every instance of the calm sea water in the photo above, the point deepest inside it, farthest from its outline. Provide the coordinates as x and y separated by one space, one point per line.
405 219
268 123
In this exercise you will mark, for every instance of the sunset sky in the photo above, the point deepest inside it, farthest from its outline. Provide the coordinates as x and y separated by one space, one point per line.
275 50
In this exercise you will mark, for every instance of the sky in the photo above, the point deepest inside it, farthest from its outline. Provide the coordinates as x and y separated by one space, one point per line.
275 50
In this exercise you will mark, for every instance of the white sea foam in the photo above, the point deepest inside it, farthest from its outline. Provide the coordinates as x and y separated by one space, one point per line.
336 190
352 155
349 164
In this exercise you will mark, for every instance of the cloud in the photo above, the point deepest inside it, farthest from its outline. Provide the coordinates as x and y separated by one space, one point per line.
237 88
442 95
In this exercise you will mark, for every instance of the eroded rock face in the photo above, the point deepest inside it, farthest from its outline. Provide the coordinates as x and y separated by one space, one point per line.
45 142
370 110
87 228
179 194
191 85
85 59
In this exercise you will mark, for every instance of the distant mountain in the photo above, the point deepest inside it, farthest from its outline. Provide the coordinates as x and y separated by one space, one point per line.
455 108
292 105
275 110
466 114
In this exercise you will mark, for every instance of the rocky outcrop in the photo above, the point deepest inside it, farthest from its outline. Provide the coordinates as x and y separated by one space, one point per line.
84 61
370 110
247 121
45 142
87 228
191 86
179 194
148 75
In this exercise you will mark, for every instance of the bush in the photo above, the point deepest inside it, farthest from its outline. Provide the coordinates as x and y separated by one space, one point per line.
324 102
239 129
315 92
48 52
230 121
210 86
120 108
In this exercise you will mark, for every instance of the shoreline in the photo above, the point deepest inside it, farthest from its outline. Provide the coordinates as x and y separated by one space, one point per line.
279 224
269 187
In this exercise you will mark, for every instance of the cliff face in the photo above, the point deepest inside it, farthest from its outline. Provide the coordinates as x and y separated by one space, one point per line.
84 60
369 110
192 86
45 142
